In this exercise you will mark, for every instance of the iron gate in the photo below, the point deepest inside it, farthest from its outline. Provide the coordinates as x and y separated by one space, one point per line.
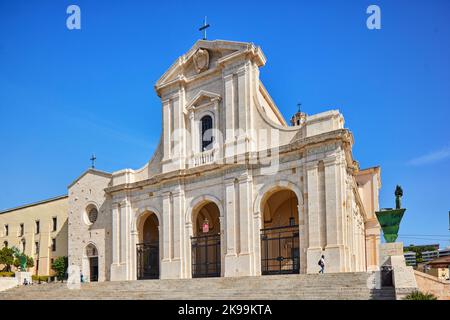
280 250
147 261
206 256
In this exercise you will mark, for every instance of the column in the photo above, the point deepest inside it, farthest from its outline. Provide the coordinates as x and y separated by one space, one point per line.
166 129
242 110
121 241
177 238
334 211
246 253
314 250
173 209
231 252
229 115
115 233
194 129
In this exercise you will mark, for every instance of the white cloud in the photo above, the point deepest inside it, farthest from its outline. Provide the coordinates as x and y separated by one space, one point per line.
431 157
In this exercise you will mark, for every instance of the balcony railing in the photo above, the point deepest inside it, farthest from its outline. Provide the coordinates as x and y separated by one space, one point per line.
204 157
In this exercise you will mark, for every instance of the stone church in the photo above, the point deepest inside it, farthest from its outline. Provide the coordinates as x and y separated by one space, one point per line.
232 189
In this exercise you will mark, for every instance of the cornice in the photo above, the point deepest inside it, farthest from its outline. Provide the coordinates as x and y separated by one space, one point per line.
183 175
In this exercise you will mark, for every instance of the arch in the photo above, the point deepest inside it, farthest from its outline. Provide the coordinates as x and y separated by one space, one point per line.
146 234
142 212
91 250
196 203
267 190
206 131
91 262
280 249
206 238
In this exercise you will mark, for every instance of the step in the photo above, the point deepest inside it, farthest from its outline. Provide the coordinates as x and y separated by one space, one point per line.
342 286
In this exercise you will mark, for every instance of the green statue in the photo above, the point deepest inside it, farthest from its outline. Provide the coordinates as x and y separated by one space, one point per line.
389 219
398 197
21 257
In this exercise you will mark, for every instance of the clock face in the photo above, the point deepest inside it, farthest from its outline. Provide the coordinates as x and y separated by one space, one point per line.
93 213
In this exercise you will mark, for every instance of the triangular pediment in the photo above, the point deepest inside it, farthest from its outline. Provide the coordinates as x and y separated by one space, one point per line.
204 57
203 98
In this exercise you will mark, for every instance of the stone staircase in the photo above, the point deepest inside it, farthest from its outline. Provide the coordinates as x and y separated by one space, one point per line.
342 286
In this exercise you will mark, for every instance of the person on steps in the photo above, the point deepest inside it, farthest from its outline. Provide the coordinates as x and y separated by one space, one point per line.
322 264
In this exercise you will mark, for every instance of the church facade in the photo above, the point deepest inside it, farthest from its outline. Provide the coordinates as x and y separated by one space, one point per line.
232 189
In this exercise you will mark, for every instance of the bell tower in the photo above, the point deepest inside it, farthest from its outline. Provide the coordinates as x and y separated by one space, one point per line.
299 117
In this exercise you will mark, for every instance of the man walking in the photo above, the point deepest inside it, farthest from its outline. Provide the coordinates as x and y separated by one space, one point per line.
322 264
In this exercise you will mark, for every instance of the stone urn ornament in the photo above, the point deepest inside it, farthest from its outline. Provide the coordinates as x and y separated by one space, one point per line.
390 219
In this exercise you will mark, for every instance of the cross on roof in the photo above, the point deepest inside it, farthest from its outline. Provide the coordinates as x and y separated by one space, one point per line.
203 28
93 158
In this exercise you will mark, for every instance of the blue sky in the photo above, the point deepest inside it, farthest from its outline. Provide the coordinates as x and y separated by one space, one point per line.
67 94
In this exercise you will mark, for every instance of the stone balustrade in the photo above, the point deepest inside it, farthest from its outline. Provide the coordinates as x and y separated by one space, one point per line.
205 157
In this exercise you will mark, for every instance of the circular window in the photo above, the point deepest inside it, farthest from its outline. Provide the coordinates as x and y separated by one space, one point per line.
92 214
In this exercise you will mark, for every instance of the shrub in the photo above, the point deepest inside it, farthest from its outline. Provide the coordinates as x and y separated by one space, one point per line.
39 278
7 274
417 295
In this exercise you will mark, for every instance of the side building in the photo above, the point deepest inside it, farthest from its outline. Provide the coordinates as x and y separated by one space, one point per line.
39 230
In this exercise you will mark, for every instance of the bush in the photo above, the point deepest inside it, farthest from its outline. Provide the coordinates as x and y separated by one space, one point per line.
7 274
39 278
417 295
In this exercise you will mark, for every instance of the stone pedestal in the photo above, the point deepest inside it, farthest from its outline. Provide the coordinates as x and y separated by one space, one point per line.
404 281
22 275
387 250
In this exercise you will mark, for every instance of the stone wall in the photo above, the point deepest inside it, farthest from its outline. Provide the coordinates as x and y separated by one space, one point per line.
430 284
86 192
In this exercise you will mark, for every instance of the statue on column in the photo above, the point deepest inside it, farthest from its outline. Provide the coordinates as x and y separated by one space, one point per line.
389 218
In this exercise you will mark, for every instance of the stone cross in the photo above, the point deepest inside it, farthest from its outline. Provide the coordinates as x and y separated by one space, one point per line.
203 28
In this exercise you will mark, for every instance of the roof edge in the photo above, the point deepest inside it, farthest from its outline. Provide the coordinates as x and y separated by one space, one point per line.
34 203
90 170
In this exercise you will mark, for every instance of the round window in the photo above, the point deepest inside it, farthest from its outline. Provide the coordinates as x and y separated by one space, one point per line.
92 215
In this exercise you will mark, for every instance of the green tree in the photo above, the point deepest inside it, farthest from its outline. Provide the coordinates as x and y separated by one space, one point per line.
60 267
30 262
6 258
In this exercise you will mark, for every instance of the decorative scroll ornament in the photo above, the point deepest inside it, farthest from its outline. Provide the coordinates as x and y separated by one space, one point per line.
201 60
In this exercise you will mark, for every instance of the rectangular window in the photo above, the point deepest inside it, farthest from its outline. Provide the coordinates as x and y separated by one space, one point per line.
36 247
37 227
55 223
53 244
21 230
6 230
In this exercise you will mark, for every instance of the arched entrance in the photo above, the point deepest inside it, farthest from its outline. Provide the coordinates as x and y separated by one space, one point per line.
205 241
147 250
92 256
280 233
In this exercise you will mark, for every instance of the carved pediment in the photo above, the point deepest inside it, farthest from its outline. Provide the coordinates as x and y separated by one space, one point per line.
203 98
204 58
